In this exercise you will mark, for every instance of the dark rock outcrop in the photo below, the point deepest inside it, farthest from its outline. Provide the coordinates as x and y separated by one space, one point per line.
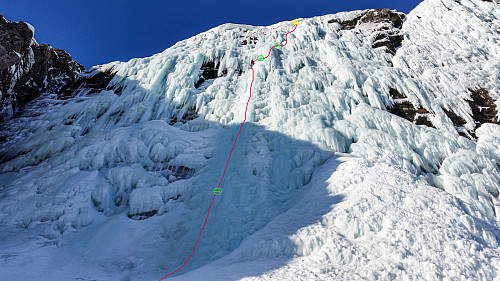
405 109
482 106
390 39
384 15
143 215
386 34
373 16
346 24
251 40
95 81
189 114
209 70
483 111
28 68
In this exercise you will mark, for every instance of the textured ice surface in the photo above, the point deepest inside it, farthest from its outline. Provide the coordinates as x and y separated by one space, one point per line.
354 224
115 185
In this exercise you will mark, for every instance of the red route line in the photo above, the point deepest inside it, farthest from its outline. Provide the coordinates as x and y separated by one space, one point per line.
241 127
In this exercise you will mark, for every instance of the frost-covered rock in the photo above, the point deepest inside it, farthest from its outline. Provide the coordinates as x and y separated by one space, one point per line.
352 165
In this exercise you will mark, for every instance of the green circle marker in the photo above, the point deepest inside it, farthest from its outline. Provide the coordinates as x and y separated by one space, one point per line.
260 58
217 191
276 44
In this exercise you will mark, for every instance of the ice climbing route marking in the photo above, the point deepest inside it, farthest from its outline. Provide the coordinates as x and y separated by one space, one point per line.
218 190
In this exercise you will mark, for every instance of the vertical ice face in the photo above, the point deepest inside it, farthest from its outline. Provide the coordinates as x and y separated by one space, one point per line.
123 164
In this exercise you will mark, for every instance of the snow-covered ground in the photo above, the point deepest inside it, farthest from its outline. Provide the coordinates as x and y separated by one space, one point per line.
115 185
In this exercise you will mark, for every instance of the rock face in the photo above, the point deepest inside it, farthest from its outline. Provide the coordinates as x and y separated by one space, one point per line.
385 23
405 109
28 68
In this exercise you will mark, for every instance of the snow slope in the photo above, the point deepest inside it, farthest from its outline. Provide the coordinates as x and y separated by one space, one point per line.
115 184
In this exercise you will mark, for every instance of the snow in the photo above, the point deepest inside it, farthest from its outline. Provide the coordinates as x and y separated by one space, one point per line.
31 28
116 187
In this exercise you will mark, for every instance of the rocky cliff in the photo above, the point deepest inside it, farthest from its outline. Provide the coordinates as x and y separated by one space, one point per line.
28 68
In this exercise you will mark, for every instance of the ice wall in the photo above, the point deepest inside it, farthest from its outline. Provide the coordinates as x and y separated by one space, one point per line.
132 167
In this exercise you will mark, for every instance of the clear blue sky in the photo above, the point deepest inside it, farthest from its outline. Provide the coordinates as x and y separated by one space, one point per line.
100 31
